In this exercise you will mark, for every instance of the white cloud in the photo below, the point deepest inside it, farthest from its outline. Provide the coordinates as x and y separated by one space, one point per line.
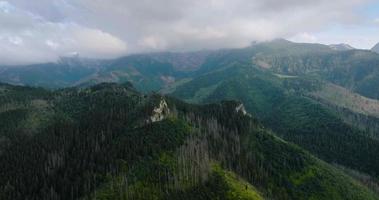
97 28
28 38
16 40
190 25
304 37
153 42
52 44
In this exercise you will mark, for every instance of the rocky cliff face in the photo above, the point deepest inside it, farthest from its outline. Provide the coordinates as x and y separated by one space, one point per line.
159 112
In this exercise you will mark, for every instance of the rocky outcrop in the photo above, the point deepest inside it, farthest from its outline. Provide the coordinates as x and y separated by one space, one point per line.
241 109
159 112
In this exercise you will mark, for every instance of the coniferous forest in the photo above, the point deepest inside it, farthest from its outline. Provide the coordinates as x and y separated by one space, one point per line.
109 141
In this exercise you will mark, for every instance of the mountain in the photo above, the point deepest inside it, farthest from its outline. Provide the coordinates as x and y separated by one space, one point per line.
148 72
323 100
341 47
356 70
109 141
376 48
285 105
295 99
64 73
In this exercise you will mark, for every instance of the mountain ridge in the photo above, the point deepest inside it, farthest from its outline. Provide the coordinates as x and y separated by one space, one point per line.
97 145
288 87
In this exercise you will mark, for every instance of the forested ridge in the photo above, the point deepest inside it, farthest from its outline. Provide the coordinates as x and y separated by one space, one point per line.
111 142
286 106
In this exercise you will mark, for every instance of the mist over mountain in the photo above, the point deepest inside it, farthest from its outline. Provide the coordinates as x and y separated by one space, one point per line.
341 47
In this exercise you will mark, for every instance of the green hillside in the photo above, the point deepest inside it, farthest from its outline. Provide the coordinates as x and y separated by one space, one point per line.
284 106
355 70
111 142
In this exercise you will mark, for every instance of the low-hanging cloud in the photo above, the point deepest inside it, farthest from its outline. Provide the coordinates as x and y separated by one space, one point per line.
43 30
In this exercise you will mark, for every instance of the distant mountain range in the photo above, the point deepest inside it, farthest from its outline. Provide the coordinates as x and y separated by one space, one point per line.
297 98
154 71
340 64
64 73
147 71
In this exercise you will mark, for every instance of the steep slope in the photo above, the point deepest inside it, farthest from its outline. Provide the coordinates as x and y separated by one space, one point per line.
356 70
354 109
101 143
342 97
283 105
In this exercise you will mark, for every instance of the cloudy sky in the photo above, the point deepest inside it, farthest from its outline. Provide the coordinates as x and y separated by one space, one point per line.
44 30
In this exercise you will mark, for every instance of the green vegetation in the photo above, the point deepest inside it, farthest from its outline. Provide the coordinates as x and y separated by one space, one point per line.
98 143
109 141
283 105
339 96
